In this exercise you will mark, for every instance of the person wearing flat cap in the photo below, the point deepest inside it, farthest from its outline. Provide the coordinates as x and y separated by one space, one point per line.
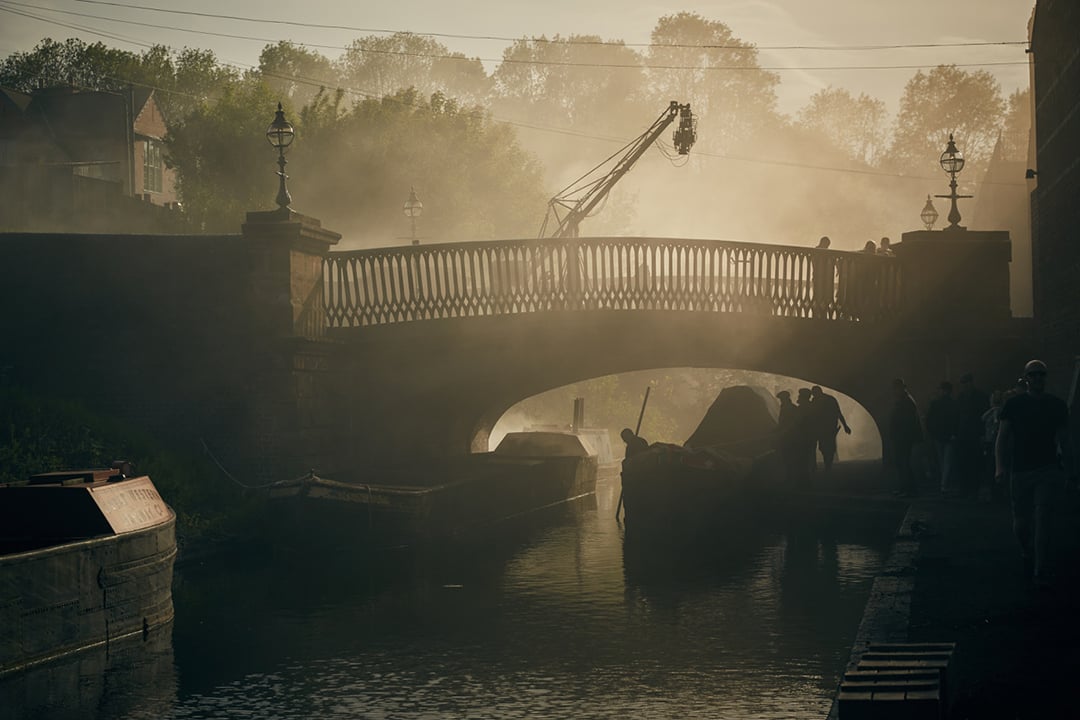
1034 452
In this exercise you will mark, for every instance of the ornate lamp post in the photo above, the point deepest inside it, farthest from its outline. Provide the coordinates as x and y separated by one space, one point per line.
412 208
281 134
929 214
952 162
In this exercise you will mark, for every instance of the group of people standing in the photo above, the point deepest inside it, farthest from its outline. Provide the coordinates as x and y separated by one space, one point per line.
849 285
806 428
1014 440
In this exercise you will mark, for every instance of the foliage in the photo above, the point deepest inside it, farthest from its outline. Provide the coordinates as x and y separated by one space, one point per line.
376 66
296 74
70 63
857 126
215 150
578 81
562 98
181 83
469 171
691 60
42 434
1014 138
942 101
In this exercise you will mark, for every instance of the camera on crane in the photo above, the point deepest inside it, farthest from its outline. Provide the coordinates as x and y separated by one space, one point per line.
686 133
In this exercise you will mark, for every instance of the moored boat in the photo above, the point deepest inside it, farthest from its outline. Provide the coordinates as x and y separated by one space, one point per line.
528 471
86 561
711 479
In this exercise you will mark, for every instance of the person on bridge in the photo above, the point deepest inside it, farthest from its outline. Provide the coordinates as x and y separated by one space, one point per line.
827 420
904 433
1033 429
823 271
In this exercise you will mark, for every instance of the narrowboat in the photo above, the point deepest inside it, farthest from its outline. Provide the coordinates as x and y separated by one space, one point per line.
528 471
713 478
86 561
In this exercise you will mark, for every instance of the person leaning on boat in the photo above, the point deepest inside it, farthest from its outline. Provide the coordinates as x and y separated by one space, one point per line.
635 444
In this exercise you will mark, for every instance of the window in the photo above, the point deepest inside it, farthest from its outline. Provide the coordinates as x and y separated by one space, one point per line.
152 166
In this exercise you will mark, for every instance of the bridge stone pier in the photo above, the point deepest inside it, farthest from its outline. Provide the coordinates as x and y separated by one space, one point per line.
283 355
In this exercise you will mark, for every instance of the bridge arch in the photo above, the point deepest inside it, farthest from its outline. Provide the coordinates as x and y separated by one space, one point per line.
678 400
457 377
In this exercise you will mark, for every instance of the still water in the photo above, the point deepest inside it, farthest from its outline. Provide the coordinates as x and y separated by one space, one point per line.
556 617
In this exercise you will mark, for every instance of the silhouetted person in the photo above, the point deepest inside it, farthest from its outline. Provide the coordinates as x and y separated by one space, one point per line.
991 420
971 403
1034 429
823 269
904 433
861 292
635 444
788 427
885 248
941 429
827 420
805 455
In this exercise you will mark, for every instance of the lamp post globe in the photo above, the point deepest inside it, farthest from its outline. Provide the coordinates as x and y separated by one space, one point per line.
929 214
952 162
412 209
280 134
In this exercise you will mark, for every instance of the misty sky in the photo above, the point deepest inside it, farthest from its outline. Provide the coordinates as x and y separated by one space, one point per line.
767 24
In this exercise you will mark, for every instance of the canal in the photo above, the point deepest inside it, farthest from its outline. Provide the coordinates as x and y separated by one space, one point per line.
551 617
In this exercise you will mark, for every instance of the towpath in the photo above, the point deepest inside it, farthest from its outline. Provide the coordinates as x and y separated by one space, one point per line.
958 577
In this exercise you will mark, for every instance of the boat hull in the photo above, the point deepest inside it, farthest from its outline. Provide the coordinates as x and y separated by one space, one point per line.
664 495
61 600
494 490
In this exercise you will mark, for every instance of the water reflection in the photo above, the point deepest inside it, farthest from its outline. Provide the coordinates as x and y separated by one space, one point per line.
551 617
133 679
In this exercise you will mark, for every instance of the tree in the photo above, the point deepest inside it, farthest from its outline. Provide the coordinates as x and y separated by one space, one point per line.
857 126
579 81
1017 125
71 63
218 150
378 66
296 73
943 101
701 62
358 165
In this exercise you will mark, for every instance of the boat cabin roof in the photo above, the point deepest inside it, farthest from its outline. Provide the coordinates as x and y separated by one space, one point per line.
541 444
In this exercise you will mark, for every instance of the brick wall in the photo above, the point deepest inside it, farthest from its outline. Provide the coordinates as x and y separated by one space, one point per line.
171 333
1056 212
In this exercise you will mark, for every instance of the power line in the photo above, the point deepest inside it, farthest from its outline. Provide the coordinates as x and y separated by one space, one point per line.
704 46
514 123
80 28
518 61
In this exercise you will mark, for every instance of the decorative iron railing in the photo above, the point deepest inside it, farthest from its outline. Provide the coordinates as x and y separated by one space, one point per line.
404 284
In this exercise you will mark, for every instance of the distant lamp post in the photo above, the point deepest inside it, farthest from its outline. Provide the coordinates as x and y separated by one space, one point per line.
412 208
929 214
281 134
952 162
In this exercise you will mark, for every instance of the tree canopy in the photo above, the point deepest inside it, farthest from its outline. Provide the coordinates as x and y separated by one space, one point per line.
946 100
484 150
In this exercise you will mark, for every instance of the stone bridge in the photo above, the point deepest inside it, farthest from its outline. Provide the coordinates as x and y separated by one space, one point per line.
457 334
284 355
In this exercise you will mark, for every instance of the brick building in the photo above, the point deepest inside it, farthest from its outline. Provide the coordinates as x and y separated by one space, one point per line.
1055 201
84 161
